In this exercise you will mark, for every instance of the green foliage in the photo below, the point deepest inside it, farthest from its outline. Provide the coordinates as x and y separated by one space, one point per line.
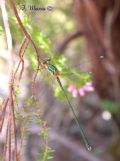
45 150
26 118
110 106
42 40
74 75
45 153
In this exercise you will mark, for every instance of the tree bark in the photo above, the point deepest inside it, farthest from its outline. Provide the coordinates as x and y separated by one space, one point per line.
100 22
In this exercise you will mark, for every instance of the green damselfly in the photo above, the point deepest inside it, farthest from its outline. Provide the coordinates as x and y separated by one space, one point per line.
46 63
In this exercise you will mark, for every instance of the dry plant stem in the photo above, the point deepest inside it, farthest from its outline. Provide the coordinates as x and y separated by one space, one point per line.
9 141
23 28
11 78
21 58
6 141
21 54
2 117
11 107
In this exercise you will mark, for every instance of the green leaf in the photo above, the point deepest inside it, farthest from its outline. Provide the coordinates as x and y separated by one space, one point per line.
110 106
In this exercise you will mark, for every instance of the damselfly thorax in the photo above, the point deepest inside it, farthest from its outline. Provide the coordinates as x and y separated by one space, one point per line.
45 63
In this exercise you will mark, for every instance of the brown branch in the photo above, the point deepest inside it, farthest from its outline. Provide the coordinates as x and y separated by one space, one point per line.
68 39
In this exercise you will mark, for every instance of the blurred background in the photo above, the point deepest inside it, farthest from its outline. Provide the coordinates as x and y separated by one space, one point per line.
82 39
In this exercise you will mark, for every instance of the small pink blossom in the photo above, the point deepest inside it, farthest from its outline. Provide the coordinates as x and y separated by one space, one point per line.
71 88
89 83
88 87
81 91
75 93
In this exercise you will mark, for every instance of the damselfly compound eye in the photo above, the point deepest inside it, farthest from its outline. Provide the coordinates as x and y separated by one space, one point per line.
47 59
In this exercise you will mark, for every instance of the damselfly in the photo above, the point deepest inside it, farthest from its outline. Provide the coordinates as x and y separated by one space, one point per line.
46 63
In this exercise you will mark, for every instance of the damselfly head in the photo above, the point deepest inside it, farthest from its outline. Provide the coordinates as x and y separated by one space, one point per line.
47 59
45 62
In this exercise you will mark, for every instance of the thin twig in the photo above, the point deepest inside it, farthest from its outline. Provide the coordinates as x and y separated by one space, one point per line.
21 54
9 141
11 106
24 30
6 141
21 58
2 117
11 78
9 45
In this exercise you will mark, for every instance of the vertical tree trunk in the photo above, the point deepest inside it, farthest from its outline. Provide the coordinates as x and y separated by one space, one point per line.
100 21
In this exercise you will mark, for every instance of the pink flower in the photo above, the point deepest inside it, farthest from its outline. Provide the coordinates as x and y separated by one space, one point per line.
75 93
71 88
88 87
81 91
89 83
